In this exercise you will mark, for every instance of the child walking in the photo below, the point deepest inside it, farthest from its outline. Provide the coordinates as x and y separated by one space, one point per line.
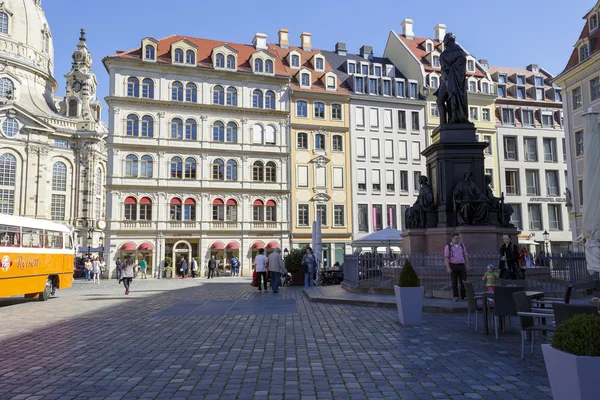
490 278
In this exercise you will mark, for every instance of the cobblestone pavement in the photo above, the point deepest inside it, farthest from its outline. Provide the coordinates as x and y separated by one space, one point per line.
92 342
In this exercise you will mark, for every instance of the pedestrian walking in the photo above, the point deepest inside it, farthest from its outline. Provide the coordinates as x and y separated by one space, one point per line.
119 266
194 267
96 271
309 262
235 266
102 267
183 267
509 259
212 265
276 268
457 265
87 265
127 273
260 266
143 267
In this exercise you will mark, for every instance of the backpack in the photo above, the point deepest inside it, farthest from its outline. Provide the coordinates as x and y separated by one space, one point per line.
450 250
234 262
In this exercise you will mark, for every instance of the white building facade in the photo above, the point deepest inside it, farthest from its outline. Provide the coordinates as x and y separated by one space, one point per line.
52 151
198 152
387 137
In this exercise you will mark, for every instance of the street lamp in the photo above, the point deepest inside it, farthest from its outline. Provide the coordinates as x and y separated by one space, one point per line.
546 240
89 242
160 239
285 252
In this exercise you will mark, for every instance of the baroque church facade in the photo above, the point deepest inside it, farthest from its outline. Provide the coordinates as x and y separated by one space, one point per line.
52 149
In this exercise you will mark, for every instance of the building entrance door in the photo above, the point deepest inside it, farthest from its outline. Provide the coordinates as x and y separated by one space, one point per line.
182 249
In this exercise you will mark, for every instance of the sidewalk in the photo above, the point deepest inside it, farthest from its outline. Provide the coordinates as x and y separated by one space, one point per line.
336 295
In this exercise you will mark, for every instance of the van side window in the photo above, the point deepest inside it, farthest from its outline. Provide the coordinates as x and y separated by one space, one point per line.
54 240
9 236
32 237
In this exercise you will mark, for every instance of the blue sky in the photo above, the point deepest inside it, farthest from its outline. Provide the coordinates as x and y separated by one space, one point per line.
510 33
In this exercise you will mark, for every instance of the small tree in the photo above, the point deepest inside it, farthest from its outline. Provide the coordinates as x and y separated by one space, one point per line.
408 276
168 262
293 261
579 336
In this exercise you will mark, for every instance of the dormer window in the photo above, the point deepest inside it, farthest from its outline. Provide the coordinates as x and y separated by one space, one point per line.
435 61
593 22
400 89
472 86
470 65
390 71
351 68
584 52
428 46
373 86
502 78
377 70
179 56
304 79
539 81
319 64
359 84
387 87
331 82
258 65
231 62
520 79
190 57
220 61
433 81
269 66
295 61
149 53
364 69
485 87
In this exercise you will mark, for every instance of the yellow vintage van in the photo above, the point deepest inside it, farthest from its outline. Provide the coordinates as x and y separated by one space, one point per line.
36 257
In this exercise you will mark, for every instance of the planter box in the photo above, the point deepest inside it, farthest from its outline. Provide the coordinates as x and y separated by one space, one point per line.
409 301
297 278
169 274
571 377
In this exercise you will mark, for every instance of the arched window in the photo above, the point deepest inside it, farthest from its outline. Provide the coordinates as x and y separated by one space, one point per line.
8 172
218 170
231 170
218 131
59 176
231 96
149 53
269 66
270 100
231 132
131 165
190 168
258 174
190 129
258 65
177 91
295 60
176 128
146 167
319 109
218 95
257 99
302 141
145 209
175 209
305 79
258 211
301 108
231 62
179 56
73 108
191 92
190 57
133 125
3 22
130 213
218 210
6 86
133 87
147 126
320 141
257 134
220 61
270 171
189 210
231 210
176 167
148 88
270 135
271 211
338 143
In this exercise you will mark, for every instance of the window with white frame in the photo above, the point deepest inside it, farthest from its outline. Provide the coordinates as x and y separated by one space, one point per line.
321 210
390 183
579 143
516 218
320 176
402 150
433 81
473 114
337 174
584 52
555 217
595 88
402 120
302 175
375 148
387 119
532 182
472 86
376 180
550 153
359 84
336 112
433 110
362 180
319 64
363 218
486 114
488 139
470 65
303 215
339 215
387 87
485 87
305 79
320 141
319 109
389 149
351 67
508 116
295 61
360 147
530 144
301 108
577 99
403 181
552 184
337 143
535 217
373 86
416 151
360 116
593 21
540 94
374 117
400 89
510 148
435 61
416 185
527 117
364 69
512 182
415 126
490 172
414 90
331 82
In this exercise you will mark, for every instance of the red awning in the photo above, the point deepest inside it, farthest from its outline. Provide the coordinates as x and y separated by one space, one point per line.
258 203
130 200
233 246
258 245
218 202
271 203
217 246
175 200
190 201
145 246
272 245
145 200
129 246
231 202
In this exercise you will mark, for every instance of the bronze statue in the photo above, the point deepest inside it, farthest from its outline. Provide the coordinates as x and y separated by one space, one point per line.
415 215
452 94
497 203
472 207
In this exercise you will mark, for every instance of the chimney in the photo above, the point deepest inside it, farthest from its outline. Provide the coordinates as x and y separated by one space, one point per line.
484 63
407 28
284 38
366 51
340 48
533 68
440 32
305 41
260 41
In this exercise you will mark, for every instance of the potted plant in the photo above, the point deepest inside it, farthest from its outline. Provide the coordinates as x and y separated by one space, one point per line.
409 296
168 267
573 358
293 265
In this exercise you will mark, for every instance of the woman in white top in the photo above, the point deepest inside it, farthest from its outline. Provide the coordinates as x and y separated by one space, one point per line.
127 273
260 265
96 271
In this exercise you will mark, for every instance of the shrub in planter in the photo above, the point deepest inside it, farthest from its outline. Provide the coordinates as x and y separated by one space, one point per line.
409 296
573 359
293 261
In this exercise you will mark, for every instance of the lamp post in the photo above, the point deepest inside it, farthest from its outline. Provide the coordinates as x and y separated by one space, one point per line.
160 239
546 240
285 252
89 242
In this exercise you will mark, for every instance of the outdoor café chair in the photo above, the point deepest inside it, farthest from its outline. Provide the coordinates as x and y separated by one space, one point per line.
552 300
527 319
562 312
472 304
504 305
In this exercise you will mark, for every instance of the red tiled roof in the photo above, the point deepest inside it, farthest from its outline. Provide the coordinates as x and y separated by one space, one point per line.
528 74
594 38
205 48
417 47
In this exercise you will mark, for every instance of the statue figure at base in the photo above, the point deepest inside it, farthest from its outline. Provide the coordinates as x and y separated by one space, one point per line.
472 207
497 203
452 94
415 215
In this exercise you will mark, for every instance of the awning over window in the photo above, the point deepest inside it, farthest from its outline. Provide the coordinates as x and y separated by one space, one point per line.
258 203
190 201
146 246
258 245
145 200
272 245
233 246
217 246
271 203
175 200
129 246
130 200
218 202
231 202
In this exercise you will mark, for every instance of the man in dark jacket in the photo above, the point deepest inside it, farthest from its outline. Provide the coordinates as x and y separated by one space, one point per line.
509 259
212 265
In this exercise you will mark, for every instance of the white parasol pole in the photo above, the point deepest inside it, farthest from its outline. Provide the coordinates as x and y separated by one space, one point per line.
591 190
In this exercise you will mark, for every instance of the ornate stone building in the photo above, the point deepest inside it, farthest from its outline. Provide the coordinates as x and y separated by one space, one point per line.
52 151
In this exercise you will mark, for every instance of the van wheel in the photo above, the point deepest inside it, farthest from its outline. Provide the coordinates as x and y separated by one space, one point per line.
45 295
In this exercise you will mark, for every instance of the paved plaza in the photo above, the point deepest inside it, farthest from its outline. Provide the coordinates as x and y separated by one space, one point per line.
223 339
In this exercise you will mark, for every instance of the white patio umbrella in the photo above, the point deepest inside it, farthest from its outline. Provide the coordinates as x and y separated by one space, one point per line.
317 244
591 190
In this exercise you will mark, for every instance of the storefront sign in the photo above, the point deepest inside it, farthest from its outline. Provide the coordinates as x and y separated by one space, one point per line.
547 200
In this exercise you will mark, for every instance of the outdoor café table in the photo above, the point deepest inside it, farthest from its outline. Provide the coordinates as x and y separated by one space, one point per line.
490 295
